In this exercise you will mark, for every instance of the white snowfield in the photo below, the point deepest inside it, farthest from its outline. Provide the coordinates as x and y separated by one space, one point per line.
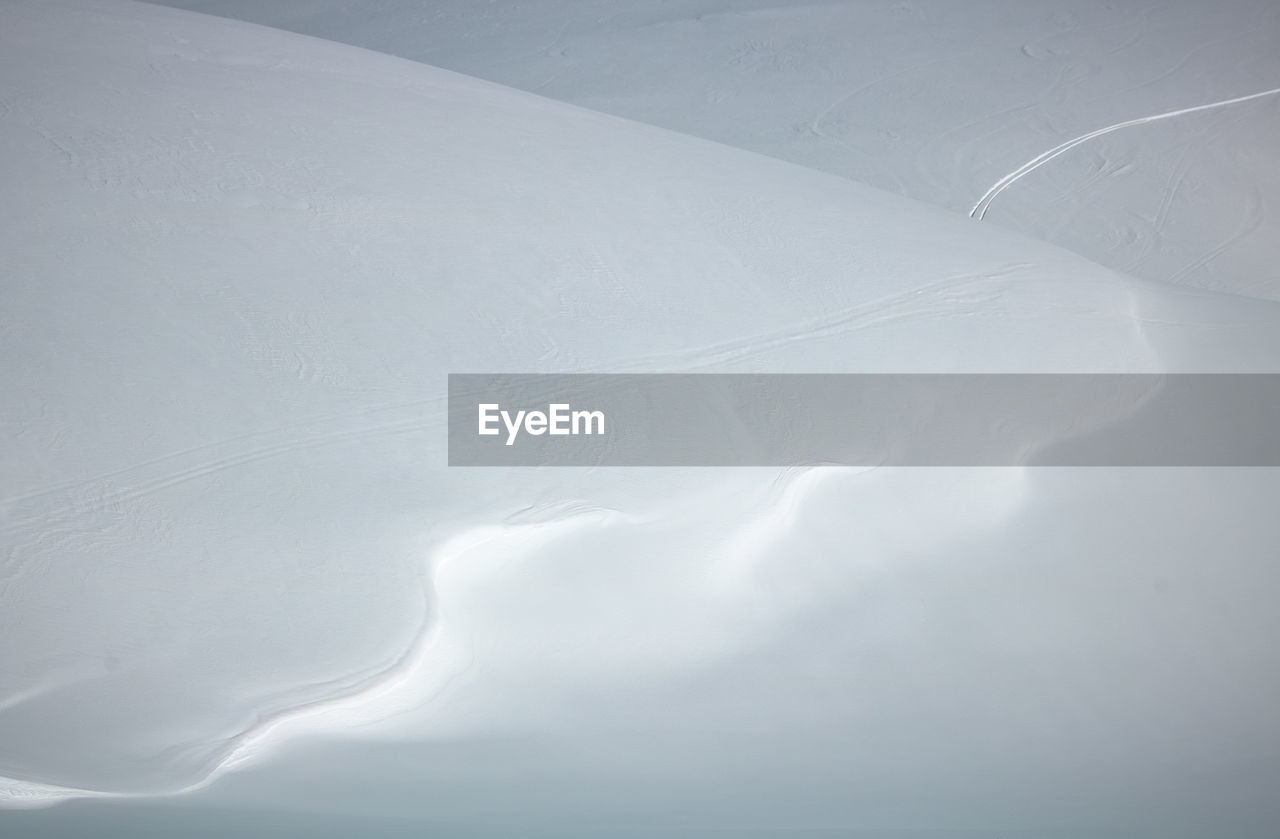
1162 118
238 265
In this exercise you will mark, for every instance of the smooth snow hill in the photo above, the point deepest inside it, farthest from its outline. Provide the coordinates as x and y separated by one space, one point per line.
931 99
240 263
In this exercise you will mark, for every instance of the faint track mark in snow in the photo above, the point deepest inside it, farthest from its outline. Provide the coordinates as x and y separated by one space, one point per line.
1141 27
951 296
111 498
984 203
295 432
61 514
1175 183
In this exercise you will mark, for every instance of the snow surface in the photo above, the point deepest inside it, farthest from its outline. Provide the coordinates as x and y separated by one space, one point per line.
932 99
239 265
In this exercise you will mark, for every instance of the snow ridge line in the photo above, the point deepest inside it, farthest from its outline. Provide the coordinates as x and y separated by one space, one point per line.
354 702
980 209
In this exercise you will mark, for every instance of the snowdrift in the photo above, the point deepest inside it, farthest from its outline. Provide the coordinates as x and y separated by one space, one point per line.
1173 178
239 265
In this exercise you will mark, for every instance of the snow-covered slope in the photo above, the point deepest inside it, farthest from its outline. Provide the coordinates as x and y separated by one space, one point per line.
932 99
240 264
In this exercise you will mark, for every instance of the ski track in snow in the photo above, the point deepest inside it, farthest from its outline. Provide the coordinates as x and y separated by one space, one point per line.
417 673
984 203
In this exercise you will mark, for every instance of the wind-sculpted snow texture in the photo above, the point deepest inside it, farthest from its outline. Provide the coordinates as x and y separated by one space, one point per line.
237 577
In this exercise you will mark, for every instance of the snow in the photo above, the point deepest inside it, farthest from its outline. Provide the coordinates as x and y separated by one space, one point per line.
931 99
238 574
